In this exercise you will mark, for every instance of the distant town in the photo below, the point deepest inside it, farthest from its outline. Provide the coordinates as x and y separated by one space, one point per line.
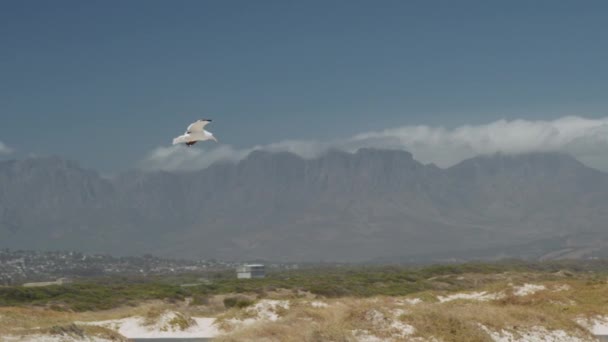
18 267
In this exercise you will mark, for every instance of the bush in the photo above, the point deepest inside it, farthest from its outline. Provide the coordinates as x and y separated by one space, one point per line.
71 329
200 299
239 302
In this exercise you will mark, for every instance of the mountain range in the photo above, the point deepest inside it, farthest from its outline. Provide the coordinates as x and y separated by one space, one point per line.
372 205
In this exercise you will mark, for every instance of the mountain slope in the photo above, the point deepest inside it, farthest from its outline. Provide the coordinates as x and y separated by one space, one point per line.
340 206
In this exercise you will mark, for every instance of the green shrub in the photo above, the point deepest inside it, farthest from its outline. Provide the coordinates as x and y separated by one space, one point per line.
359 281
237 301
200 299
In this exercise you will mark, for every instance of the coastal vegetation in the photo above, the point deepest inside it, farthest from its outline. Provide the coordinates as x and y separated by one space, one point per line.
479 301
90 294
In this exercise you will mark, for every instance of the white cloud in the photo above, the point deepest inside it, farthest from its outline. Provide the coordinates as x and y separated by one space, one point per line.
585 139
5 149
181 158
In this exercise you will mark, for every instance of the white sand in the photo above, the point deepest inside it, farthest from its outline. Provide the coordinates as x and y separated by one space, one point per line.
266 309
597 325
480 296
240 323
400 329
392 325
362 335
375 316
527 289
410 301
318 304
413 301
398 312
134 327
534 334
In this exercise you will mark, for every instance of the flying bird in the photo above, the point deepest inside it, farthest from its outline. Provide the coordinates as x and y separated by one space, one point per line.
194 133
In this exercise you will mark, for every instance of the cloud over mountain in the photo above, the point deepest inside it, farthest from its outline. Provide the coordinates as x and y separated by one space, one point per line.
5 149
585 139
179 158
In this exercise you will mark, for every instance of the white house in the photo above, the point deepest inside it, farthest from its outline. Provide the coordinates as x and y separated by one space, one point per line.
250 271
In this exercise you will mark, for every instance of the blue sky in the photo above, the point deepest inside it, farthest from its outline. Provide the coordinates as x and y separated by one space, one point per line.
107 82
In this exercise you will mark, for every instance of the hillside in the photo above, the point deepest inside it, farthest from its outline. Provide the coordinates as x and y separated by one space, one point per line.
370 205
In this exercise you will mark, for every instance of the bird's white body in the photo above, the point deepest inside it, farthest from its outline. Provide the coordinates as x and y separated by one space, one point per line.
195 132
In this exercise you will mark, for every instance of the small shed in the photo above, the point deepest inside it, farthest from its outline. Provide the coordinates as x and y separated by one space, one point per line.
249 271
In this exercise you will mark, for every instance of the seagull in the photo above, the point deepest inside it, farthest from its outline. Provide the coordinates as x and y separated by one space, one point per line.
195 133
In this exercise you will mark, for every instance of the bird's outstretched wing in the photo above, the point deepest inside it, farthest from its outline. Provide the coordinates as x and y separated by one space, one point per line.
198 126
